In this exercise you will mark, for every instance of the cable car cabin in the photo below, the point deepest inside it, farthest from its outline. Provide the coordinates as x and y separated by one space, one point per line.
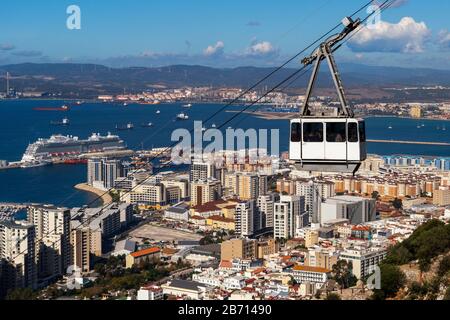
328 144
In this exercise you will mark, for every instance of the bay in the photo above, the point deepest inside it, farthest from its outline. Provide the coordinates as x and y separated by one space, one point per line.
21 125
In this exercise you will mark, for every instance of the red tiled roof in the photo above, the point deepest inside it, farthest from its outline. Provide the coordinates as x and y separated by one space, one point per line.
220 218
197 218
311 269
207 207
226 264
145 252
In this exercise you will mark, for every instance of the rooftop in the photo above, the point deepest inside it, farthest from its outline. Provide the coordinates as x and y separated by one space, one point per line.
145 252
311 269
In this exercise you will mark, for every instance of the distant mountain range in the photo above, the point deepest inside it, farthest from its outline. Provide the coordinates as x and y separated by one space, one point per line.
91 80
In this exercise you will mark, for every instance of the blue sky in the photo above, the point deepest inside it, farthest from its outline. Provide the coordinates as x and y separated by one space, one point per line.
217 33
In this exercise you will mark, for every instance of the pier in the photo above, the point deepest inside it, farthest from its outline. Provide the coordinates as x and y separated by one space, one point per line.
443 144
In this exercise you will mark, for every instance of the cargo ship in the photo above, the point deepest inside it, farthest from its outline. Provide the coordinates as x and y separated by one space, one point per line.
62 108
69 147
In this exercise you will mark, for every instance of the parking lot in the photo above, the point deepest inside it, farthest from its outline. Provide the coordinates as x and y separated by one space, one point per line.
155 233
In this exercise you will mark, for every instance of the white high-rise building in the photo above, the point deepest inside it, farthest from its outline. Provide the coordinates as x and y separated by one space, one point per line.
53 250
288 216
357 210
94 171
202 171
265 205
314 192
104 173
147 193
17 256
244 218
204 191
112 169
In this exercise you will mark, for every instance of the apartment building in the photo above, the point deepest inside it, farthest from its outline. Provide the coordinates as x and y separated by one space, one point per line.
289 215
147 194
86 245
17 256
204 191
244 218
266 205
53 250
363 260
238 249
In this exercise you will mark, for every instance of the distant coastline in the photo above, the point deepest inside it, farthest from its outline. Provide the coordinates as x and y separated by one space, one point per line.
291 115
104 196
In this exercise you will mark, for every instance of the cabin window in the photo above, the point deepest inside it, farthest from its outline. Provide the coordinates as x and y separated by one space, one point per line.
296 132
352 132
362 132
336 132
313 132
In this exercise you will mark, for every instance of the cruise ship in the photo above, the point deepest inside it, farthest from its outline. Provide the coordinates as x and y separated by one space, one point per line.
44 150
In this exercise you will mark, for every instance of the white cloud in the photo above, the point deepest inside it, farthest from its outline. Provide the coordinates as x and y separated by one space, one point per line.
444 39
6 46
407 36
262 48
214 50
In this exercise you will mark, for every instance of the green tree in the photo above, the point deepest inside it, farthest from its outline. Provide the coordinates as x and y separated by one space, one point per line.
447 294
444 266
333 296
21 294
397 203
342 274
392 279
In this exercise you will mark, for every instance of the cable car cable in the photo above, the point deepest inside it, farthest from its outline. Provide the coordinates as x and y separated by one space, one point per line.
220 110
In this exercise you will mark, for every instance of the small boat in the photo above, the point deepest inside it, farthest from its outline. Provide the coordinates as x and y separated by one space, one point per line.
189 105
390 127
158 111
147 125
213 125
182 116
129 126
203 129
125 104
79 102
63 122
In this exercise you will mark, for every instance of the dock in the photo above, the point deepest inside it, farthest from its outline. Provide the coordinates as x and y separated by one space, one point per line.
443 144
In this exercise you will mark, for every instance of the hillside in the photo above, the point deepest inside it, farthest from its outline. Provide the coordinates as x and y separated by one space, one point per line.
91 79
